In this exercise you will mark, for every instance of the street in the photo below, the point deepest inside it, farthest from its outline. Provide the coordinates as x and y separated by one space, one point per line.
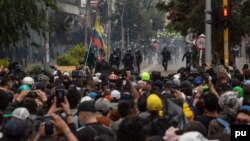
155 66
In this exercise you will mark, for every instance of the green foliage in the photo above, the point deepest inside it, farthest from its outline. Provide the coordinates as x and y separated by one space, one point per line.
60 23
35 70
4 62
19 16
67 60
186 15
72 56
140 18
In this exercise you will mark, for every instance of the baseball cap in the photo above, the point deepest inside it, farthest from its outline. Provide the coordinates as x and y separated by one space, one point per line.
229 100
96 79
75 73
24 87
115 94
247 82
239 90
92 95
86 98
66 74
86 106
21 113
39 86
192 136
14 128
102 105
98 74
198 80
170 83
195 126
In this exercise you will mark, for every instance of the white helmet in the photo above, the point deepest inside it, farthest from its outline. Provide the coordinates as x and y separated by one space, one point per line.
28 80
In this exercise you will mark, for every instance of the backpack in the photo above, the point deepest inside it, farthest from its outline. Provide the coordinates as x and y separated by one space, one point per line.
227 129
157 126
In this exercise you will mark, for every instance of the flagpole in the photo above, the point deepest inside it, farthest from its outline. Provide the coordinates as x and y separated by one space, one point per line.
90 44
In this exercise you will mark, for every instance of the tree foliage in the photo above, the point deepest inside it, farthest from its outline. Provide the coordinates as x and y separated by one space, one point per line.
60 24
19 16
4 62
72 56
139 19
186 14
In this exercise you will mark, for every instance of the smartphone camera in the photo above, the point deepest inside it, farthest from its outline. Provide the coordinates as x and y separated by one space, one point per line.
32 94
59 97
48 125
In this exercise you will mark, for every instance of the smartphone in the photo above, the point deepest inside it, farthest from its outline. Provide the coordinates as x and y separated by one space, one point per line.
59 97
128 73
48 125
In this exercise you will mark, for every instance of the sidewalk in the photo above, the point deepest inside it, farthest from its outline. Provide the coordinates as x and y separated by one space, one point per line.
32 65
240 61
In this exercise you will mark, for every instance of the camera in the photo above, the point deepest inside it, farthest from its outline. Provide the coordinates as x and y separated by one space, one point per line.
32 94
60 93
48 125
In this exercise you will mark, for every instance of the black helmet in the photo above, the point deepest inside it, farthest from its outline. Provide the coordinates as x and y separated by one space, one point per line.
129 50
137 51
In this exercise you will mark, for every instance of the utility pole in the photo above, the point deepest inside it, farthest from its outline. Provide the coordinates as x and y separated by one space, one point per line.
225 36
86 25
208 29
109 27
121 18
122 27
47 56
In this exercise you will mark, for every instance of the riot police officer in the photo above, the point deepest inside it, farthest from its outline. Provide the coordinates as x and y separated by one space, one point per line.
114 59
188 57
138 60
128 60
166 57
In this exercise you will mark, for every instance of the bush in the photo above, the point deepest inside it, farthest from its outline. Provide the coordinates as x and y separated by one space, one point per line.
72 56
35 70
4 62
67 60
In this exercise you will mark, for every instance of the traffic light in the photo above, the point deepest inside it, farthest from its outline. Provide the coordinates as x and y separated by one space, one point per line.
225 16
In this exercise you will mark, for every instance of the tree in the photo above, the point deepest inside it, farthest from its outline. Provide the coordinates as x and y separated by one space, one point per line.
72 56
18 17
60 23
186 14
139 19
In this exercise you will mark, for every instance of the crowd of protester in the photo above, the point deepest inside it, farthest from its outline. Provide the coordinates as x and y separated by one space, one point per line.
190 105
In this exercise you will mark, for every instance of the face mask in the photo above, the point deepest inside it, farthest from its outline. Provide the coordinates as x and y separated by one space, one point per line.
242 123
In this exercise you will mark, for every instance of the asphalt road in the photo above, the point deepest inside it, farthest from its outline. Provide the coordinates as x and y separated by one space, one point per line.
155 66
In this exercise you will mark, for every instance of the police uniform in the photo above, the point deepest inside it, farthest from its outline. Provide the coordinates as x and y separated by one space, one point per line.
165 58
128 61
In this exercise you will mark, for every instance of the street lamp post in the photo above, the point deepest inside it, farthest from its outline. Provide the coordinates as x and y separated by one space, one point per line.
128 36
121 18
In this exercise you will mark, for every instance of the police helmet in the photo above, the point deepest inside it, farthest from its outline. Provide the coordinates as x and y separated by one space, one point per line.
129 50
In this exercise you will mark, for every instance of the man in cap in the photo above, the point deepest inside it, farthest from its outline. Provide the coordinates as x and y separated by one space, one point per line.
102 106
229 103
87 115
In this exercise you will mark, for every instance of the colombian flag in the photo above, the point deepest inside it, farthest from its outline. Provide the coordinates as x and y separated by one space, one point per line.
97 38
